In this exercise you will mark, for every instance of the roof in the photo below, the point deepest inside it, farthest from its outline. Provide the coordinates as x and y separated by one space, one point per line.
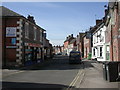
8 12
111 4
69 39
72 41
96 27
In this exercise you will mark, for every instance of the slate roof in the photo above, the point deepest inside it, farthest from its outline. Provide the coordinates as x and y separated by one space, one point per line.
7 12
72 41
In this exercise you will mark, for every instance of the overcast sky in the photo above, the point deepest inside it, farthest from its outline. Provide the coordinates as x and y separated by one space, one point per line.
60 19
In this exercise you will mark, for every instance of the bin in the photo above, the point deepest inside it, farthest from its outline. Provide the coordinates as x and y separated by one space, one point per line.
112 71
104 71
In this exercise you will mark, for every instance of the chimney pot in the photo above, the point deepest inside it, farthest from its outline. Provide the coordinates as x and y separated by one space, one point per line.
98 21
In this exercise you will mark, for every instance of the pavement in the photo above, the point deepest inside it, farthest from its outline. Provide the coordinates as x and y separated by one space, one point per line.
10 71
91 76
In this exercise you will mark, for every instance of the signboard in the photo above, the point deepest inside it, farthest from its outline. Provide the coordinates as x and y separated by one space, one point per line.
10 31
11 47
34 45
13 41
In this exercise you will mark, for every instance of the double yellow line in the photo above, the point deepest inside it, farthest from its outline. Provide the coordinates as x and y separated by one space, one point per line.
72 84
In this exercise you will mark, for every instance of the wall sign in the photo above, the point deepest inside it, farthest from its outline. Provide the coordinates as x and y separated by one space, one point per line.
13 41
10 31
11 47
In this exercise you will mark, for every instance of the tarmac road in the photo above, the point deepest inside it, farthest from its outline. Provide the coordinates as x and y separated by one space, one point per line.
56 73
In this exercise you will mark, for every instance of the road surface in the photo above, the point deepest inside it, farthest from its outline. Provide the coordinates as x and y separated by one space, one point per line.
56 73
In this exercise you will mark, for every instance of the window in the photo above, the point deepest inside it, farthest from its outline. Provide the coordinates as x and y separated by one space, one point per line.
101 37
35 33
26 30
107 52
100 51
94 51
40 35
97 38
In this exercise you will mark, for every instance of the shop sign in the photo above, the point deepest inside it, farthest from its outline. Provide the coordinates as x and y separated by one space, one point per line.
28 50
34 45
10 31
11 46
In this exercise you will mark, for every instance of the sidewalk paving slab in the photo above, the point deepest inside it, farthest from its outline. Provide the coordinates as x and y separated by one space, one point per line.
94 77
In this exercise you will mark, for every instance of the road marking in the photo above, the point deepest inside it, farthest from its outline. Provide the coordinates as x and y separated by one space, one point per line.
75 79
12 73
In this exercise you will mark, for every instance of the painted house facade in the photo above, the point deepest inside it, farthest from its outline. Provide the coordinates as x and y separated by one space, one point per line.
99 47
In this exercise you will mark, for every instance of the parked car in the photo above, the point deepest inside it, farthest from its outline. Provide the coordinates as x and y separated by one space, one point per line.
59 54
74 57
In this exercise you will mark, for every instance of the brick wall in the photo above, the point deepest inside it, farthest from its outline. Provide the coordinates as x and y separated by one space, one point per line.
9 58
1 46
86 47
115 35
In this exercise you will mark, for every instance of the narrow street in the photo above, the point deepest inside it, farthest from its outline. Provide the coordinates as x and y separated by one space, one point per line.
56 73
40 41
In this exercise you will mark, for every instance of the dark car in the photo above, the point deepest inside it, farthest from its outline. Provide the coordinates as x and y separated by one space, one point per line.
74 57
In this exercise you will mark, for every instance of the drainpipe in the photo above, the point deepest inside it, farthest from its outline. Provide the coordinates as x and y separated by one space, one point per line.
112 43
4 36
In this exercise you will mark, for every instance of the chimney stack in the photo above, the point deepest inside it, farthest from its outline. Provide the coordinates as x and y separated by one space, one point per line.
71 35
31 19
98 21
106 10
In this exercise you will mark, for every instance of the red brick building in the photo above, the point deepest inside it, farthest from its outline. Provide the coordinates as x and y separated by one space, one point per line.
87 47
113 30
1 43
67 44
80 43
22 39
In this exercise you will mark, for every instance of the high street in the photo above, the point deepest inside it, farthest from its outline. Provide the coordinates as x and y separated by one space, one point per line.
56 73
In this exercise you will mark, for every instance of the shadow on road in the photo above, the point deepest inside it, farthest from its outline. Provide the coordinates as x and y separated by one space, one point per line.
43 86
31 86
57 63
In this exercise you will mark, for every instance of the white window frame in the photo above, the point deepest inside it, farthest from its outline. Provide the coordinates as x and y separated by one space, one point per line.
26 30
101 52
35 33
40 35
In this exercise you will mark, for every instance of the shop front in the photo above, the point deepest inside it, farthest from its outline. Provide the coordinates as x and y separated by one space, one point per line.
32 54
